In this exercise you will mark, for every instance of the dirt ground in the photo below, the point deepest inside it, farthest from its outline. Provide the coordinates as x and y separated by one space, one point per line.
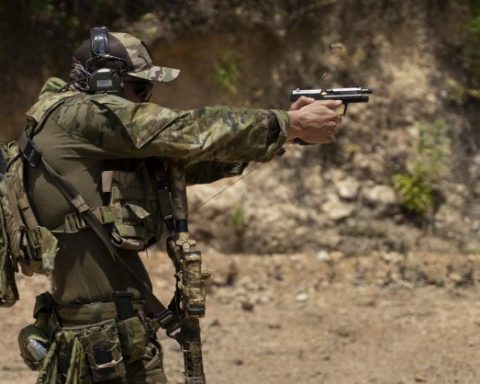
321 318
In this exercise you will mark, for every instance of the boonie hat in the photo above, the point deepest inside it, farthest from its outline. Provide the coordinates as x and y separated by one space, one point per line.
136 55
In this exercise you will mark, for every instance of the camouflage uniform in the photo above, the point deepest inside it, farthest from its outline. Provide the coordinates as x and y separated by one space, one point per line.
82 138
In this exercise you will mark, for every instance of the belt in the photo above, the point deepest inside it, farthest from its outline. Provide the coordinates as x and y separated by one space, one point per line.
84 314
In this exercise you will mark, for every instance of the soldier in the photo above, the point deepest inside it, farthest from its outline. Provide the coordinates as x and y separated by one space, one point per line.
101 137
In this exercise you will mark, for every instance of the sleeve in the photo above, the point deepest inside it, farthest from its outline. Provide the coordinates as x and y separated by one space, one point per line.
222 134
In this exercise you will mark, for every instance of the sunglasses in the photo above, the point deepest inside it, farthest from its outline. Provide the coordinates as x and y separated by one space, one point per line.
143 89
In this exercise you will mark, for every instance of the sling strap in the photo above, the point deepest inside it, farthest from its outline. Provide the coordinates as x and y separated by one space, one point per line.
165 317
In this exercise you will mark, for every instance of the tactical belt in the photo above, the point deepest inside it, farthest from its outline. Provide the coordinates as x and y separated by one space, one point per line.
84 314
166 318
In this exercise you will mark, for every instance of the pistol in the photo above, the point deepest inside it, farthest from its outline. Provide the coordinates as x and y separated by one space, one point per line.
346 95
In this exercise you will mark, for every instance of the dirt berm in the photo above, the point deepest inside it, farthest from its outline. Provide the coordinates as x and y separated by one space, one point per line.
312 319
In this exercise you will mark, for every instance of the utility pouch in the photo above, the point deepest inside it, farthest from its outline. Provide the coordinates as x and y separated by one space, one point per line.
131 200
8 286
102 347
29 245
133 337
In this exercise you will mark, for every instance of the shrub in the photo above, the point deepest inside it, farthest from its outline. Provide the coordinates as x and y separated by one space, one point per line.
418 185
227 72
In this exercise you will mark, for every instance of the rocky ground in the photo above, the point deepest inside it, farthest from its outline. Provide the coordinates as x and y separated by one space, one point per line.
317 318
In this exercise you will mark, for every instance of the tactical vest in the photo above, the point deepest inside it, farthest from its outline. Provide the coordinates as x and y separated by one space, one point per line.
130 192
25 245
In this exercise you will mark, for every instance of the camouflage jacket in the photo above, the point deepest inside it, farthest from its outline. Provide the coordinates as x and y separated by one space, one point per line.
120 128
87 132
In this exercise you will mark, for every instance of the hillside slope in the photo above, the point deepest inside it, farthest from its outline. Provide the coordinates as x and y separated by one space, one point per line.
339 196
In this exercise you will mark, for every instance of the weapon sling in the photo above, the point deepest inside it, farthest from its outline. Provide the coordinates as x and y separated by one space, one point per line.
166 318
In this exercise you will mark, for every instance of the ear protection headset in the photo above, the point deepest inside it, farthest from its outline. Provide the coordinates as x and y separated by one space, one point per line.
105 71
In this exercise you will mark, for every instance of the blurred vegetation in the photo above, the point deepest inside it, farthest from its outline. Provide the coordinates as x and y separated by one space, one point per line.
472 49
63 24
227 72
238 218
418 186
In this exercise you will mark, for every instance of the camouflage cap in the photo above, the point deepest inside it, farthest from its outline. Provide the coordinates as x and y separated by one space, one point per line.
136 55
142 61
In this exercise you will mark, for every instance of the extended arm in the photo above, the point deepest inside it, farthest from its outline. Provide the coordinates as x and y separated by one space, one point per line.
121 128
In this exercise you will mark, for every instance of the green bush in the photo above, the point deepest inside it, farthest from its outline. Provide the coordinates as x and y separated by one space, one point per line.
415 191
227 72
417 186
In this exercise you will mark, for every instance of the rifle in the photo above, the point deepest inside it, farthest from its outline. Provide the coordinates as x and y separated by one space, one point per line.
189 301
346 95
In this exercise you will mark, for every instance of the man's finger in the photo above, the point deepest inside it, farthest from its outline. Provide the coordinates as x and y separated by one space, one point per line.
301 102
331 104
331 115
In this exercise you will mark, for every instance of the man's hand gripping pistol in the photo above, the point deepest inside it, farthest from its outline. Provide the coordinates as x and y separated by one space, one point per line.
346 95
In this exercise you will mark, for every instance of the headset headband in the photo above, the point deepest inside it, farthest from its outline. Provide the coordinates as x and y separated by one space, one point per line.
99 41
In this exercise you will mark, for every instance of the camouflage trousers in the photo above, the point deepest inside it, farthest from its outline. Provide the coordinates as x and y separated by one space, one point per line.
109 352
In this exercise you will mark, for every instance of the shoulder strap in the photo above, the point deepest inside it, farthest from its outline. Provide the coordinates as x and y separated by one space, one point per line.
166 319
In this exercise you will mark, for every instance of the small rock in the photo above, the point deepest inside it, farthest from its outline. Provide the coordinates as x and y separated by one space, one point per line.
347 188
392 257
330 239
274 326
247 306
302 297
343 331
337 256
337 210
323 256
456 278
215 323
263 299
381 195
419 378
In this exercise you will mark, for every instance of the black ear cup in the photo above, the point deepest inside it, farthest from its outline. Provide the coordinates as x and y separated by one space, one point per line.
105 70
105 80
